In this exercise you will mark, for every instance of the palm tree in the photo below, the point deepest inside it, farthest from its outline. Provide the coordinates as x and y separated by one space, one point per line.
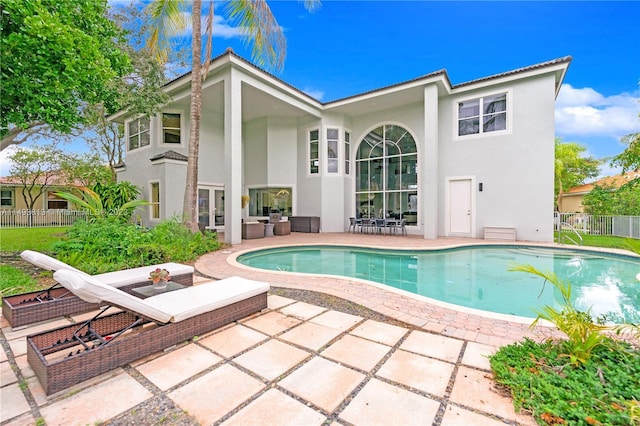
269 49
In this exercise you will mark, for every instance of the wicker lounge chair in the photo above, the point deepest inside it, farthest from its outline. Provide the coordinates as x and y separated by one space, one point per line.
72 354
56 301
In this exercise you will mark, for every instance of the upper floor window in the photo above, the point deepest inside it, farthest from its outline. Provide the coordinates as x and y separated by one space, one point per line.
347 152
333 136
314 151
482 115
139 134
170 128
6 198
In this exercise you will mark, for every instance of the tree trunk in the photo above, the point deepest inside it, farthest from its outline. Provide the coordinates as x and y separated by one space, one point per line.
191 189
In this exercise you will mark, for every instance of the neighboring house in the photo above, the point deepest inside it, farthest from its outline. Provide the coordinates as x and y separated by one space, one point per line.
450 159
11 197
571 201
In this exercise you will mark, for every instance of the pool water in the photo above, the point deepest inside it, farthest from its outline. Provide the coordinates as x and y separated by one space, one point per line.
477 277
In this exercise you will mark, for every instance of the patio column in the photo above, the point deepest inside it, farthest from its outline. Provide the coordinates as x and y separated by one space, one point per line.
429 165
233 157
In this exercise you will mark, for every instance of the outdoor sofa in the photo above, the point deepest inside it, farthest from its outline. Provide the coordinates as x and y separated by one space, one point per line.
56 301
71 354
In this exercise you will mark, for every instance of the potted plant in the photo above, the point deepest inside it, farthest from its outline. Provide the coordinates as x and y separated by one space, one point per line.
159 277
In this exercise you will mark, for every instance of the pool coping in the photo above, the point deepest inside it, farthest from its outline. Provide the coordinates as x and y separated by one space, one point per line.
429 314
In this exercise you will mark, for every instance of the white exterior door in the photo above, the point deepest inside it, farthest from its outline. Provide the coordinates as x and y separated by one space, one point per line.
211 207
461 214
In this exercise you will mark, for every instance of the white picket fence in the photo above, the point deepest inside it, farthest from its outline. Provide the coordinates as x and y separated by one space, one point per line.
39 218
618 226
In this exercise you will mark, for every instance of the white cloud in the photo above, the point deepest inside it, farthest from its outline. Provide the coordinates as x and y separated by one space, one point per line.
221 27
314 93
587 112
5 162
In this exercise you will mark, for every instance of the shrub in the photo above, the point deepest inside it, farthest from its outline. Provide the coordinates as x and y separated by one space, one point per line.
600 392
107 245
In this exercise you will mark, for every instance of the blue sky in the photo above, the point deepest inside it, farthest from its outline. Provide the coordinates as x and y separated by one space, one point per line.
349 47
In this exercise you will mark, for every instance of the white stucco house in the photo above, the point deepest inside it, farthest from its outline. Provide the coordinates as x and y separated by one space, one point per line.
450 159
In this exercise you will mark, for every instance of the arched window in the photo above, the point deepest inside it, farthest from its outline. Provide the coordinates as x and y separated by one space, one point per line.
387 175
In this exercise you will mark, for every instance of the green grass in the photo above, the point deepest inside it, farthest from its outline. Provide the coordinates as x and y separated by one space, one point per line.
599 241
15 281
39 239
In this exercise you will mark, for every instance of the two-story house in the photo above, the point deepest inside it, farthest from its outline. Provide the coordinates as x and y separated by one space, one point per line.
451 160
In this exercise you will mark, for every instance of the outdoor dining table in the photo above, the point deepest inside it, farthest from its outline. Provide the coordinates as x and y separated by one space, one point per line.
377 225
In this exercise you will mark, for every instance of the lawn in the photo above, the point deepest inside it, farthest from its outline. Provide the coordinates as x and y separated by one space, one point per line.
39 239
599 241
13 280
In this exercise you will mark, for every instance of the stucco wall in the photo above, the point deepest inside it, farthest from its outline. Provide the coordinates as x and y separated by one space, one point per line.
516 168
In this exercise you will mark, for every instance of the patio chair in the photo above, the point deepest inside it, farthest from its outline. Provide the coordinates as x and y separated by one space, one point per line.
71 354
353 224
56 301
403 226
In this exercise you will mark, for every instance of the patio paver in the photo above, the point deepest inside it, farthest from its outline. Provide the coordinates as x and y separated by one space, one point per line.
356 352
232 340
91 406
380 403
14 402
275 408
178 365
312 380
212 396
272 359
418 372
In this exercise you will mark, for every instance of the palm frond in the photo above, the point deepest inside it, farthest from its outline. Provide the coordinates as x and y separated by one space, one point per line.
258 24
166 20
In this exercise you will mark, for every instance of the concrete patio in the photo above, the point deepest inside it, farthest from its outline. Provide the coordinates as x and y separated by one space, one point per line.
294 363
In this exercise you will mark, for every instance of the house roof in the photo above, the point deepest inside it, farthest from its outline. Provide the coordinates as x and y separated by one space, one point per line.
169 155
440 75
58 179
606 182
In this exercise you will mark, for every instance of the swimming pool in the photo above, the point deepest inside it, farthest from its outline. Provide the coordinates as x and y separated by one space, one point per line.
477 277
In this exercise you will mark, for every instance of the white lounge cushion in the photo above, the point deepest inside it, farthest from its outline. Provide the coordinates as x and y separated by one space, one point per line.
196 300
172 306
116 278
46 262
95 291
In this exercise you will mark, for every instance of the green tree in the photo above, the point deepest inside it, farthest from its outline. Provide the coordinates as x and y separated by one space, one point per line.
571 167
56 57
37 170
269 47
623 201
629 159
85 169
107 139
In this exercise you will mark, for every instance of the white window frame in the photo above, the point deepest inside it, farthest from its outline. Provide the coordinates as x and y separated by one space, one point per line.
128 135
153 204
316 159
332 160
160 126
12 193
347 152
481 133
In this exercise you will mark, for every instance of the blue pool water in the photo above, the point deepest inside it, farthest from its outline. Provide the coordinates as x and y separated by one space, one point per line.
477 277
